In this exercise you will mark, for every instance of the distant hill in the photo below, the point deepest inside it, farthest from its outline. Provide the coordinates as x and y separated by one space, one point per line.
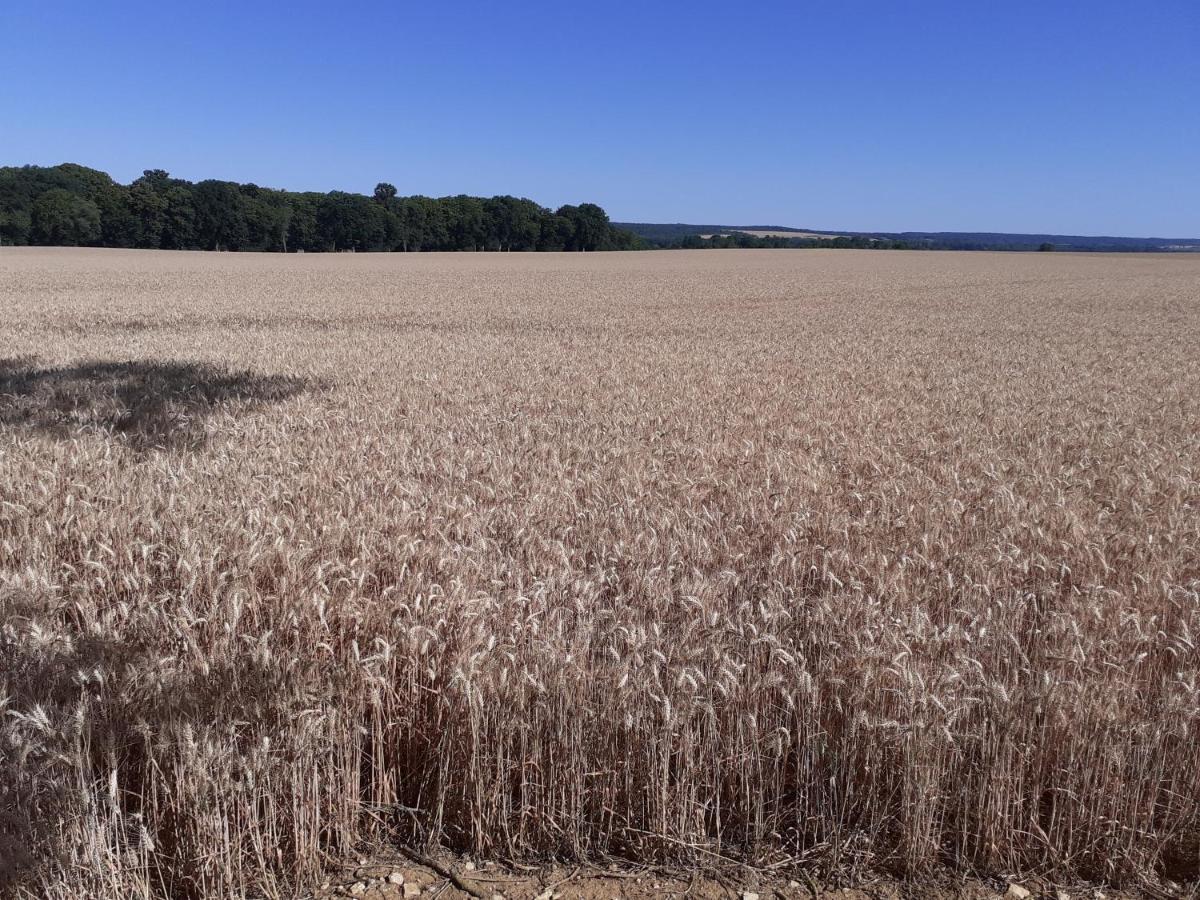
669 234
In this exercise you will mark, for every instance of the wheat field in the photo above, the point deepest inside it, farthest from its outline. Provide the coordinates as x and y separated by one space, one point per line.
823 560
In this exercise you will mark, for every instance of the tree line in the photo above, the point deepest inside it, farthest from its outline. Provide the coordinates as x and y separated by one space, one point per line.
72 205
742 241
695 236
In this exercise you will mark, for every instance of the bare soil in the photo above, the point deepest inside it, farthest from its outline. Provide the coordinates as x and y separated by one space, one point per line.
377 880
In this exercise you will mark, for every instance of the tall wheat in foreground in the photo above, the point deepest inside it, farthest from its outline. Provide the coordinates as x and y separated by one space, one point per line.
825 559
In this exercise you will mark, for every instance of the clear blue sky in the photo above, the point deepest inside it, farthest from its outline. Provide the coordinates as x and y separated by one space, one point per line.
1050 116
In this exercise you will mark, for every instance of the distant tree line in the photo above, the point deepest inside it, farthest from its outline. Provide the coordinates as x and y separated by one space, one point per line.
680 235
741 240
72 205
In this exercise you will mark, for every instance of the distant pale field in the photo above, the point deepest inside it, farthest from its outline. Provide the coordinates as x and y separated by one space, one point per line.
789 234
823 558
783 234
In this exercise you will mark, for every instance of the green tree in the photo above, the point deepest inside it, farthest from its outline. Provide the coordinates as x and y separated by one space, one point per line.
512 223
589 226
268 216
351 222
464 221
422 224
179 224
556 233
118 225
149 210
302 224
220 215
15 226
61 218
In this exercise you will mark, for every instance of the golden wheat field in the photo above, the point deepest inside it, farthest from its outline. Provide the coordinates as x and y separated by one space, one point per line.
817 560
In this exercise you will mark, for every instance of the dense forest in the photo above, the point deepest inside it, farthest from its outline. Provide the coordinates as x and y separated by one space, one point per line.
72 205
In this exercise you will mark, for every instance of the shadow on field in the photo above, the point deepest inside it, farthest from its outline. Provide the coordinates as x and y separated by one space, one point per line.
147 404
92 722
48 682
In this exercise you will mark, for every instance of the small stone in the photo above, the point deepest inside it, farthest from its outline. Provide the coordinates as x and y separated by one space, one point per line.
396 878
1061 895
1016 892
470 866
749 895
357 889
411 890
794 885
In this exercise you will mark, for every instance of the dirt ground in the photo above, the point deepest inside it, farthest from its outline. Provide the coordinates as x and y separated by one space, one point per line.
391 877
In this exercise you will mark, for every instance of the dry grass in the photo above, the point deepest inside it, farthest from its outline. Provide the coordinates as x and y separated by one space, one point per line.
852 559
